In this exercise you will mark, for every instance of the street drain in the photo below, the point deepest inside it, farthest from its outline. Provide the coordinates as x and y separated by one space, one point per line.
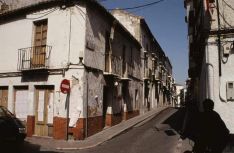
170 132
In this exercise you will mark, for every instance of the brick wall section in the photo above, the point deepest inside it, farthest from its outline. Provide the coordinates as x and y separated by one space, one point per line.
79 131
130 114
113 119
94 125
30 125
59 128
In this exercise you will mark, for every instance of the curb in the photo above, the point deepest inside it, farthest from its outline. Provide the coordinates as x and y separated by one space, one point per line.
147 118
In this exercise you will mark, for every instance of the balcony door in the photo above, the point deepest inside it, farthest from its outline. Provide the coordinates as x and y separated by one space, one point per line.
39 49
3 96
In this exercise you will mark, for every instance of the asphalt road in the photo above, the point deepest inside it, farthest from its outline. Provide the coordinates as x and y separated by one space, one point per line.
158 135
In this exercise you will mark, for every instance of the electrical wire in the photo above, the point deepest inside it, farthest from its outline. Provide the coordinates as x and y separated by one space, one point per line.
139 6
228 5
43 14
225 19
102 0
140 9
222 16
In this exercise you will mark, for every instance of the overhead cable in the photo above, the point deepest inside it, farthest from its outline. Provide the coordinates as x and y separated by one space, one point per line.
102 0
228 5
49 12
140 6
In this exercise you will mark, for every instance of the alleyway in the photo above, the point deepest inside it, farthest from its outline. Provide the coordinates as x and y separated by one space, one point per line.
155 135
159 135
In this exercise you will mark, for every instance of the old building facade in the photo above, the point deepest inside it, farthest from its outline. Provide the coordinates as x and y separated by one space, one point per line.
79 41
108 73
157 69
210 34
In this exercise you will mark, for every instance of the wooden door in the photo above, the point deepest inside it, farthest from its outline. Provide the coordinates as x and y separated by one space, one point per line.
41 115
4 97
39 50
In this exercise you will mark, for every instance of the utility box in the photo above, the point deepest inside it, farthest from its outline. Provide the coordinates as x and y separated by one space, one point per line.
230 91
226 49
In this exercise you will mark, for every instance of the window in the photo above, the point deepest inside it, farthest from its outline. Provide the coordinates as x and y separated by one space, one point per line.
230 85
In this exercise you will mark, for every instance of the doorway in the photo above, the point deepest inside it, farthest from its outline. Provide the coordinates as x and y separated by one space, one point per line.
44 106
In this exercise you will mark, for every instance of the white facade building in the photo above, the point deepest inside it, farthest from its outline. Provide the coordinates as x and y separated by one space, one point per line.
211 54
45 42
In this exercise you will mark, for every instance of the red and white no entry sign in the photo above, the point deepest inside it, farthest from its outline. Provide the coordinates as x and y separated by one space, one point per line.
65 86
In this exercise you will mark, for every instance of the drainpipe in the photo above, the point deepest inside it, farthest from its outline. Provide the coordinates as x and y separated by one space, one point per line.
219 49
87 106
219 40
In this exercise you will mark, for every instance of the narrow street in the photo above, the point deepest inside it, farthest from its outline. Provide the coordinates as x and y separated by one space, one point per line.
158 134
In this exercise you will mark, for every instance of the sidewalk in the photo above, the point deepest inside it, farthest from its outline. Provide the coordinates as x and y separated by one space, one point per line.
95 140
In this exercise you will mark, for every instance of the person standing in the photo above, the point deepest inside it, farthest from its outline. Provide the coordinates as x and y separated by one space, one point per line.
213 133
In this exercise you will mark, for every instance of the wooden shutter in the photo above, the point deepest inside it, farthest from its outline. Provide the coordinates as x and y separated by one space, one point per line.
4 97
39 50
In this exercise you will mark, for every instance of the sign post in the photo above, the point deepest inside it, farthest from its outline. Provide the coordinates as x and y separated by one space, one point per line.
65 89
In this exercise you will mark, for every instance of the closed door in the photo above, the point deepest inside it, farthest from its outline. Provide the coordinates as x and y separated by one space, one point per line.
4 97
21 103
43 98
39 50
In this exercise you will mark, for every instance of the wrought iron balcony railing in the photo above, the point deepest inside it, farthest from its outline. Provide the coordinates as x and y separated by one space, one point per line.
32 58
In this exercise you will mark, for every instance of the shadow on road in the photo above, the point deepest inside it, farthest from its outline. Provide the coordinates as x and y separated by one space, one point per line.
24 147
176 120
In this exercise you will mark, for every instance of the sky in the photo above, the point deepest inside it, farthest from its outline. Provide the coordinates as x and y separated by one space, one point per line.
167 23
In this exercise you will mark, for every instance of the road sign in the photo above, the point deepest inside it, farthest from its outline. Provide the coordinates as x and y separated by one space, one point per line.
65 86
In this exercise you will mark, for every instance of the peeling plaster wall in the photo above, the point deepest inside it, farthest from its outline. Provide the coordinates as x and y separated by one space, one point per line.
97 27
141 33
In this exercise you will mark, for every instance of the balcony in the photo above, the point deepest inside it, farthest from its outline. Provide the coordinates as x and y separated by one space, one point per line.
34 58
127 70
112 65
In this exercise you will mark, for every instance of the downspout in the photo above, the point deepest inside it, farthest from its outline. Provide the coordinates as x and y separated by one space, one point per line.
219 40
219 50
210 83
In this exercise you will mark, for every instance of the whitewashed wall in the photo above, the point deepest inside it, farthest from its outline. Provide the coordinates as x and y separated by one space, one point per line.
19 33
214 87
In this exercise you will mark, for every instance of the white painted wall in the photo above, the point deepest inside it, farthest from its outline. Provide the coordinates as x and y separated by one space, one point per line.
19 33
178 91
213 86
